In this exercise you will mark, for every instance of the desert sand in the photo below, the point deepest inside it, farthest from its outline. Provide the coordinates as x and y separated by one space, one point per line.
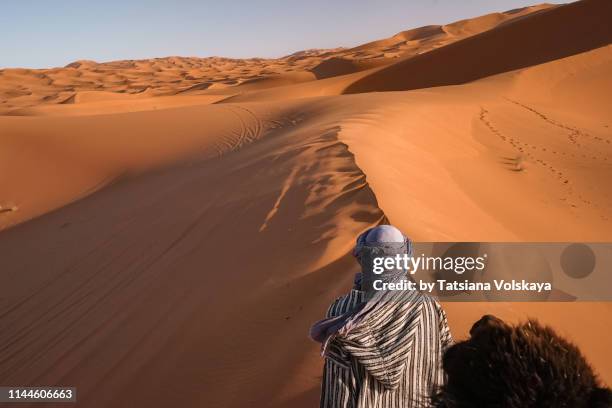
170 228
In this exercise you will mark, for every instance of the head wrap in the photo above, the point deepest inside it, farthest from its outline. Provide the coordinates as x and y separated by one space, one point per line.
380 241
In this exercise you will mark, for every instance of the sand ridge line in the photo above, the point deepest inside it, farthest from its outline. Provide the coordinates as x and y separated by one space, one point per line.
328 142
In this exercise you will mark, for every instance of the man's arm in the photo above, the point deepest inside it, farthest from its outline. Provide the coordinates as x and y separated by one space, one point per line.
382 341
446 338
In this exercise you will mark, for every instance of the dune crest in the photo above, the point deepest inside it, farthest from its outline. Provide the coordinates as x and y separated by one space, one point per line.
535 39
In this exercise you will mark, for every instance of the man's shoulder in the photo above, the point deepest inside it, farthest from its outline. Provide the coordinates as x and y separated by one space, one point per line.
344 303
432 303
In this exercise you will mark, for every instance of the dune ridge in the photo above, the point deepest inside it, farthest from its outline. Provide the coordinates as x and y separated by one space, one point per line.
544 36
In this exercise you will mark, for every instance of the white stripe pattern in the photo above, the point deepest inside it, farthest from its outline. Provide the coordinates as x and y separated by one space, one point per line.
392 359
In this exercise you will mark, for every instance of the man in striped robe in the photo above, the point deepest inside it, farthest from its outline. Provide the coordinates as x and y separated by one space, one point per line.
381 348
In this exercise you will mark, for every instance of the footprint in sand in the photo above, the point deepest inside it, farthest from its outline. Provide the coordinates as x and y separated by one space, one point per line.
514 163
7 208
517 163
574 132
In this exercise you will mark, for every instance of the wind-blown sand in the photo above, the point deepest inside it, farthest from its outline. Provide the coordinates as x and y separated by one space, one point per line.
171 227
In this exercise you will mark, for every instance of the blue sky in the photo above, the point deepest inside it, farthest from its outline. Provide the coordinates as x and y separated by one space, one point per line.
45 33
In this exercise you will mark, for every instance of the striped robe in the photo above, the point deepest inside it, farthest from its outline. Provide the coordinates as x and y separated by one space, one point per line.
393 359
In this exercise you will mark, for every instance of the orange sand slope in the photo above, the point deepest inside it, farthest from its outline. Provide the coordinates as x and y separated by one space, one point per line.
187 235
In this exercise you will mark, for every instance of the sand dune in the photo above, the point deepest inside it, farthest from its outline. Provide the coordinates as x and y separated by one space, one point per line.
26 88
187 232
161 292
544 36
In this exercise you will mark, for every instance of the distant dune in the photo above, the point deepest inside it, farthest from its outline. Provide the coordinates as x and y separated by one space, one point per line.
543 37
26 88
182 221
